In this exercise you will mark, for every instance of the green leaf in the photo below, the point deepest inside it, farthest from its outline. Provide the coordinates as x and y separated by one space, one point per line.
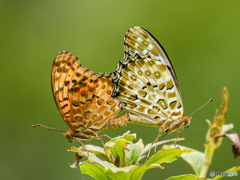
117 149
92 158
73 149
95 170
186 177
134 172
234 169
101 170
127 136
130 137
167 156
119 173
96 150
124 169
194 159
117 176
111 145
150 145
139 170
135 150
120 144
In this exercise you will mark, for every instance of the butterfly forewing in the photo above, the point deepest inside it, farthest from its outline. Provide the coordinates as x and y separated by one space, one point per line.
145 81
140 41
83 97
66 72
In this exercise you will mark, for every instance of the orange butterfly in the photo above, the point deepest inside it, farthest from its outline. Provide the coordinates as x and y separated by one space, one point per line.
84 99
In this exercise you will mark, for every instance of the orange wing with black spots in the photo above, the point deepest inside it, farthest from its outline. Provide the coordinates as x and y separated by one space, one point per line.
84 98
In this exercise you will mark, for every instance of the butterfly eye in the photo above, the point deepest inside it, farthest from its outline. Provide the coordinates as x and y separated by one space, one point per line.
186 127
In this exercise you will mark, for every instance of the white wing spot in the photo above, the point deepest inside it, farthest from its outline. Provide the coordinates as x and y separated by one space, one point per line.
139 39
145 51
167 78
171 90
150 47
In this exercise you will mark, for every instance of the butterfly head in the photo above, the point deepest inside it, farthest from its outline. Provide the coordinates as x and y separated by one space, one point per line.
71 135
68 135
186 120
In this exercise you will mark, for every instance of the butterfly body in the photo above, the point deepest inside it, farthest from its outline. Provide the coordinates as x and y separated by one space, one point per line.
146 84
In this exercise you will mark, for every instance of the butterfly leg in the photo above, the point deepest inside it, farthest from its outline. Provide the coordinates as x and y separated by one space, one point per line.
106 136
155 141
158 139
105 149
177 132
83 146
159 134
99 137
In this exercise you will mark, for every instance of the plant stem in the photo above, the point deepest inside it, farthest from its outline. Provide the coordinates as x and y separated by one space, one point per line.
207 161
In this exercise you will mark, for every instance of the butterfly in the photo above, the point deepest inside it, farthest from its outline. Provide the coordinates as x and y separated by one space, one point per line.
147 86
84 99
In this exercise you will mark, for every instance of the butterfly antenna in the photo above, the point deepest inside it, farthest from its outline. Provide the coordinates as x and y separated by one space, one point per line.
201 107
48 128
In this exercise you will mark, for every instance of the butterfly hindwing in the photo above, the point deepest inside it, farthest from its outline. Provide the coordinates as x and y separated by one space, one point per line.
104 106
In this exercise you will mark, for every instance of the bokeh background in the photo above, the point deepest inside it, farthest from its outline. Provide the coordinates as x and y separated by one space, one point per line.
202 39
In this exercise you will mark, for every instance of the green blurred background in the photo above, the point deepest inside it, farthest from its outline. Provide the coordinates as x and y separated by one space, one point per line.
202 39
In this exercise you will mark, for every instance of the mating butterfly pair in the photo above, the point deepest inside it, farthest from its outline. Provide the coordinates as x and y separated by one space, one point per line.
145 84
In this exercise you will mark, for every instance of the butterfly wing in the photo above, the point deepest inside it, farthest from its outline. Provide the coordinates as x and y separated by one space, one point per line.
82 97
92 102
145 81
139 40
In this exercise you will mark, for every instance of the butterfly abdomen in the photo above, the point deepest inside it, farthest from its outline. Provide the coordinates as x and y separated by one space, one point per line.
117 122
136 119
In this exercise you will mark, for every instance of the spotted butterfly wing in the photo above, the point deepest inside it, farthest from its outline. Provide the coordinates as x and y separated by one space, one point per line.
146 84
84 98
